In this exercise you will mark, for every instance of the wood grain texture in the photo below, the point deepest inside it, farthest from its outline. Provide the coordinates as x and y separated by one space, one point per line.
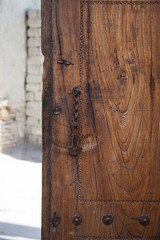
46 121
125 222
122 102
115 54
63 45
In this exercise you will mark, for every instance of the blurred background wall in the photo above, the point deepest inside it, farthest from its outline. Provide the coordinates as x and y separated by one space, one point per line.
20 72
33 84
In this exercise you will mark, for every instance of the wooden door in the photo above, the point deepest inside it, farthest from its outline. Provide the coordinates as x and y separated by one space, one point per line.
101 119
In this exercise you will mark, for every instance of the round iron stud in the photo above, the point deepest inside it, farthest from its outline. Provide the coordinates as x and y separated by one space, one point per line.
107 219
144 220
77 220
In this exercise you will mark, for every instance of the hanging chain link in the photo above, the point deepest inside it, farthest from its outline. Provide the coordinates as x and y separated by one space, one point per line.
75 149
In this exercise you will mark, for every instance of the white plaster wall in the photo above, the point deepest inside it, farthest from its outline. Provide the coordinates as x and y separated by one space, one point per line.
13 48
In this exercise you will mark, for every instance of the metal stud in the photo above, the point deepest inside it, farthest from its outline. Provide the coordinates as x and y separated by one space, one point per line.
144 220
77 220
55 220
57 111
64 62
107 219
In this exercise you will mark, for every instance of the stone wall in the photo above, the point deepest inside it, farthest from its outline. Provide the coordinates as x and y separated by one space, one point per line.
13 57
11 125
33 78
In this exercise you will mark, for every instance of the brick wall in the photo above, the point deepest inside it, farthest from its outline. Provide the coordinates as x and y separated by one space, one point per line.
33 78
13 70
12 120
20 111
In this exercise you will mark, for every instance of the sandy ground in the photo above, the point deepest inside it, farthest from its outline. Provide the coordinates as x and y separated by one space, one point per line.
20 193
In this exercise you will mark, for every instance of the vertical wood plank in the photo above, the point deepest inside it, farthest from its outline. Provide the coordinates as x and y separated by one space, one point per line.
60 41
47 50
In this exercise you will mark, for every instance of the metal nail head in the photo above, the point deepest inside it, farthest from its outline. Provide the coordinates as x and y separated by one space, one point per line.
57 111
77 220
144 220
107 219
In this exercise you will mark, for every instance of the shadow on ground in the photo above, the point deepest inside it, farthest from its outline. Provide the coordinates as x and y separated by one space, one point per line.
14 230
26 152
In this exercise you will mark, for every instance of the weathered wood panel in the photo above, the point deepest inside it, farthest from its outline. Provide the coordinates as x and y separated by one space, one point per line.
111 51
121 102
